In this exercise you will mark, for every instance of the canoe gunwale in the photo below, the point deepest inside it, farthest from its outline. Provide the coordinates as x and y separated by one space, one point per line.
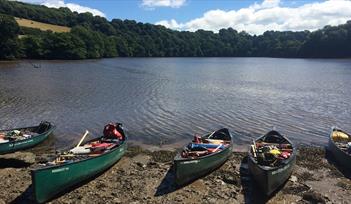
21 128
82 160
178 157
22 144
52 128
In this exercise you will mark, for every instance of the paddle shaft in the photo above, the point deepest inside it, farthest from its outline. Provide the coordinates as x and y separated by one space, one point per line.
254 148
81 140
209 137
217 148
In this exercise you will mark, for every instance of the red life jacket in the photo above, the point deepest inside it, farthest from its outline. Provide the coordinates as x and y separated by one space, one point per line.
110 130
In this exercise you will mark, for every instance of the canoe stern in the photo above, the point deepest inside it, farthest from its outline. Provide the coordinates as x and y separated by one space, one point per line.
270 180
191 169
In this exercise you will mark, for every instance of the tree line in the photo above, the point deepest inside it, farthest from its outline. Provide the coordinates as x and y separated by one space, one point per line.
95 37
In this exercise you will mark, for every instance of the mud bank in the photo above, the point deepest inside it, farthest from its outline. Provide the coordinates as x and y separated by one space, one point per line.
145 176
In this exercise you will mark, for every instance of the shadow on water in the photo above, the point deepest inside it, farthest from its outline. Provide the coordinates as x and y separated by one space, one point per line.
13 163
332 161
168 184
251 190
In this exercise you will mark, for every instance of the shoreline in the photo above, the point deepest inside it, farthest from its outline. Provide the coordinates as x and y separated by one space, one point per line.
146 176
97 59
165 57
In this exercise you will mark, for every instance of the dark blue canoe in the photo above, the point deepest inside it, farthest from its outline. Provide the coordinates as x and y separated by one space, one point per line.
341 156
270 178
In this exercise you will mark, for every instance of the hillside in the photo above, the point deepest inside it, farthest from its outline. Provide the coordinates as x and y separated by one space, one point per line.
22 22
95 37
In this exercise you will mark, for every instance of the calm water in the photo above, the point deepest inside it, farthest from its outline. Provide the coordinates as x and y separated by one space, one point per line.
170 99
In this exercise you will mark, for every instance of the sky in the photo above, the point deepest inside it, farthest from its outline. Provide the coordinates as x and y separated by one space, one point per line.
254 17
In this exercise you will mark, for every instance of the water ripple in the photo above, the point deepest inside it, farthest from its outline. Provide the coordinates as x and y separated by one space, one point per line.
168 100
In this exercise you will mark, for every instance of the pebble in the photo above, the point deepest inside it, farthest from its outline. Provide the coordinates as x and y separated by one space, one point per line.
293 179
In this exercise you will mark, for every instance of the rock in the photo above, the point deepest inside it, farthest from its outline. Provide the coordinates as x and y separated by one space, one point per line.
141 160
141 165
212 200
313 197
293 179
116 200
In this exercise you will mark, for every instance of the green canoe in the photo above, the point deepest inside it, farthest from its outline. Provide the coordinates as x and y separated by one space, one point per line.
191 168
50 181
341 156
270 178
34 136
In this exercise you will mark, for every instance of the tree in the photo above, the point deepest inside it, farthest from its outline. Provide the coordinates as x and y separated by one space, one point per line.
33 47
9 46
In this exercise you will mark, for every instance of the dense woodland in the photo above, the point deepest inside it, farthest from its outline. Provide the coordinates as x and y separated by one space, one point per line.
95 37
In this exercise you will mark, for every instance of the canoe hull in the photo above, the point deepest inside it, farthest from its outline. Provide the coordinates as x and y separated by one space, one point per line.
340 156
49 182
189 170
14 146
271 180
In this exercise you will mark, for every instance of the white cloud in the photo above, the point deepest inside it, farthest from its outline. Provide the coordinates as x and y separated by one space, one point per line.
270 15
169 24
61 3
163 3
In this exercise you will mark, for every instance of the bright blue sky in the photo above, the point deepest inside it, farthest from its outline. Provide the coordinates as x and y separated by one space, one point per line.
133 9
252 16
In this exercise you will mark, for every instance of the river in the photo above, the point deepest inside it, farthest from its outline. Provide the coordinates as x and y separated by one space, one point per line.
167 100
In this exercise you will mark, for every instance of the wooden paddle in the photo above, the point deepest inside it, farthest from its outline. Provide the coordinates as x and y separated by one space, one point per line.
81 140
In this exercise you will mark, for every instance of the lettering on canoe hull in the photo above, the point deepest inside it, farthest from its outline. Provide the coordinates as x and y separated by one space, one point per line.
191 162
60 170
20 143
280 170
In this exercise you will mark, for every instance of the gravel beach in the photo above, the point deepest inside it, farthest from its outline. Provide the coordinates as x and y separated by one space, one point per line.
146 176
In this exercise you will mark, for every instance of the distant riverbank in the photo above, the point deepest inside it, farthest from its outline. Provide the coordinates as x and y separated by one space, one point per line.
49 33
143 176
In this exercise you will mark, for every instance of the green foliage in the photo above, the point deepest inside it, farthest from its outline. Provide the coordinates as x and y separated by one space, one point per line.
63 46
33 47
95 37
331 41
29 31
9 46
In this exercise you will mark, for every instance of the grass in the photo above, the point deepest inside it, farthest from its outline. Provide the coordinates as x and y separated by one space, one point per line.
42 26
